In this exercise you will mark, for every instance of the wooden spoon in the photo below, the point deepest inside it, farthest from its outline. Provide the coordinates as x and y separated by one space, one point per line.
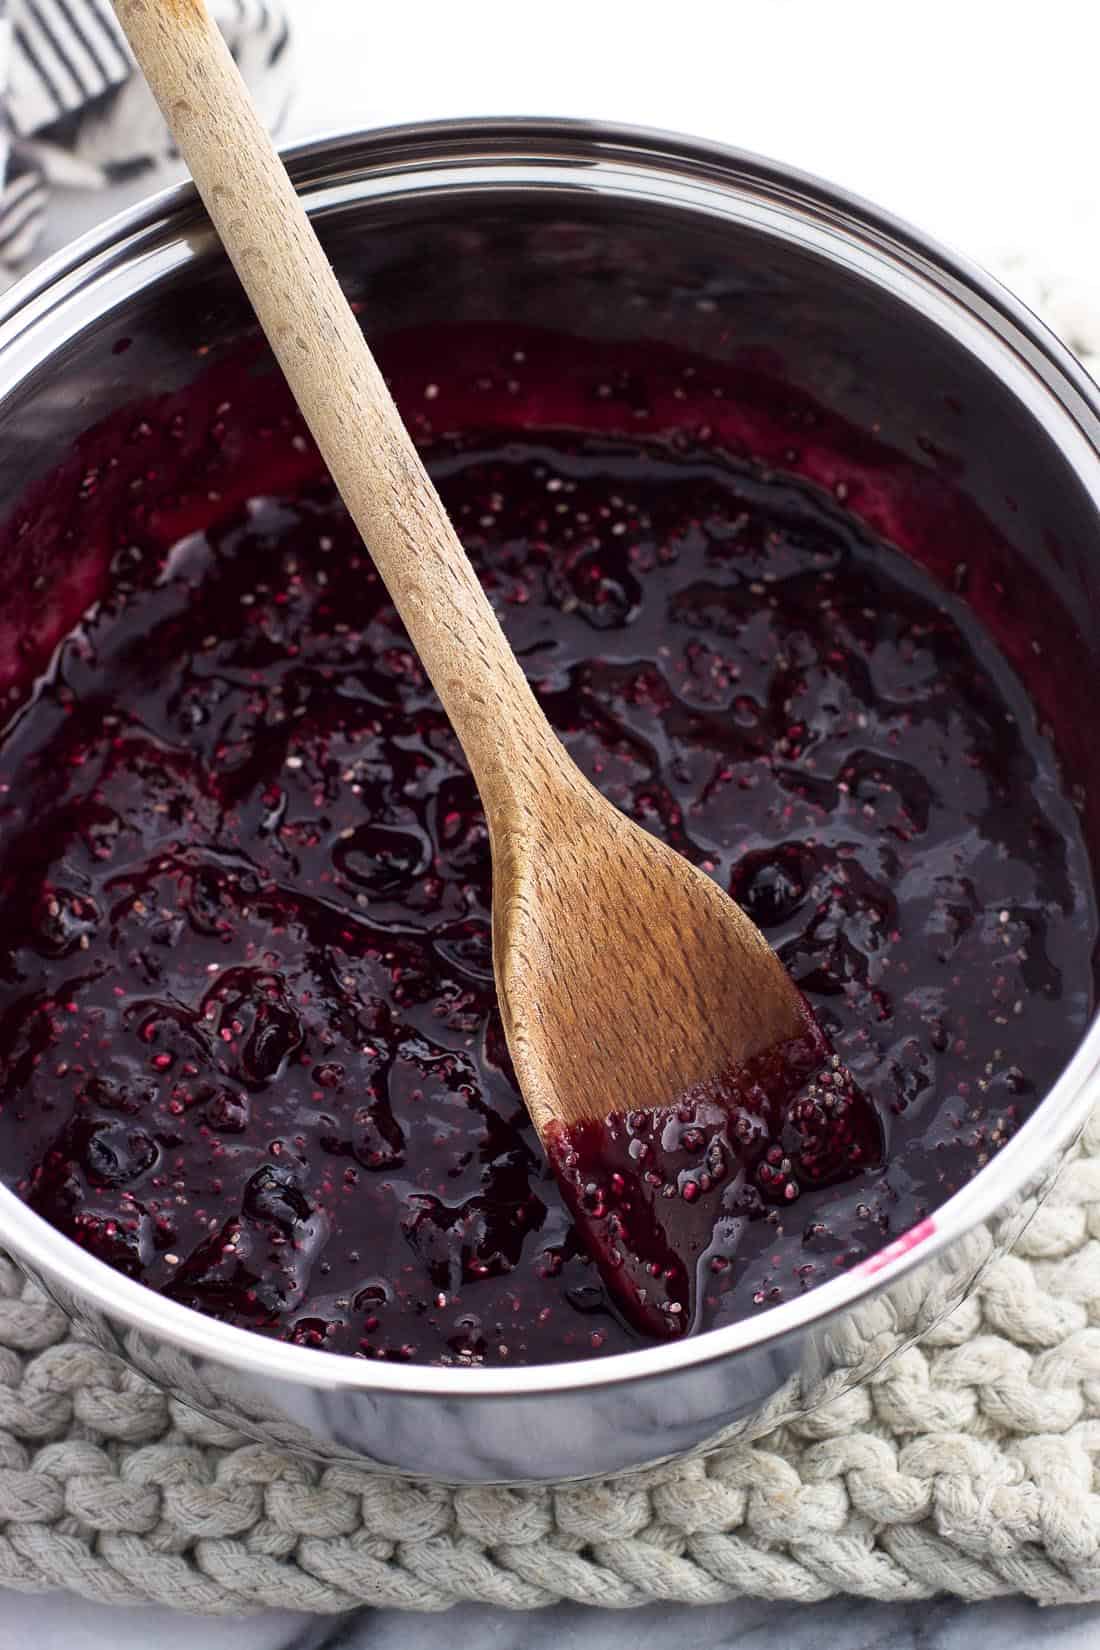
628 981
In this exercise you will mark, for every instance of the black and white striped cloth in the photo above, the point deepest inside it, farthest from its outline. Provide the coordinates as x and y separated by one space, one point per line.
73 112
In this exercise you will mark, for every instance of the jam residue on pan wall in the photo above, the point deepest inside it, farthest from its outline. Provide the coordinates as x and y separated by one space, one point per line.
249 1047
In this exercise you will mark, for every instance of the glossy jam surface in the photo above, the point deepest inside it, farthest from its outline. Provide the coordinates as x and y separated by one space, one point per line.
661 1197
249 1047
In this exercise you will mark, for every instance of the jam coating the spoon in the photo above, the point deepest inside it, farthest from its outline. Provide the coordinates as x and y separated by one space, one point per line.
249 1047
655 1194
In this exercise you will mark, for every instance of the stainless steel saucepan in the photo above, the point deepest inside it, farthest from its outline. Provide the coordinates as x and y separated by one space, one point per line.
609 233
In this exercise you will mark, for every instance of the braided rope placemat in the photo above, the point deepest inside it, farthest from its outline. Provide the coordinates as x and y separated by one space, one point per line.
966 1465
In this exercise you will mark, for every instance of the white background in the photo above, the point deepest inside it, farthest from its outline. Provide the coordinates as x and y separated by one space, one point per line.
976 118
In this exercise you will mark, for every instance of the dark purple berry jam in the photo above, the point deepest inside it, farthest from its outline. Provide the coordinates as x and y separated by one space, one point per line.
249 1046
657 1196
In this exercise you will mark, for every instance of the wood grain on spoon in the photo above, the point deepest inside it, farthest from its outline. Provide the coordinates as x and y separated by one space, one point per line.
626 977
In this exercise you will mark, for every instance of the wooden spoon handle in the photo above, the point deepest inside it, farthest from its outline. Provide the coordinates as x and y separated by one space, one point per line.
337 384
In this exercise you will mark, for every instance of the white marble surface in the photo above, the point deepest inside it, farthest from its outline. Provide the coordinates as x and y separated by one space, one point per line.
976 119
1005 1624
